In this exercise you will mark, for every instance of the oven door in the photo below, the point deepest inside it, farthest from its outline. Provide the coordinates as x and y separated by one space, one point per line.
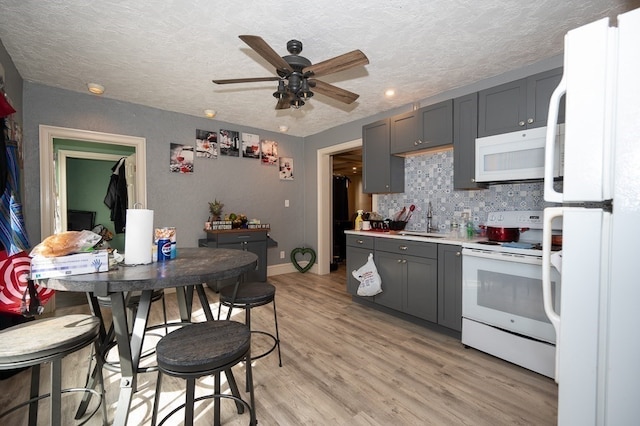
505 290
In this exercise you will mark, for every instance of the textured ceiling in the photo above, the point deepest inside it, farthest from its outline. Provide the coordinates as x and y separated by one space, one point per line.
164 53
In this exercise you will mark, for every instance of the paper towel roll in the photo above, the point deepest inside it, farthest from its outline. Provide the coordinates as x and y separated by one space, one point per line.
138 237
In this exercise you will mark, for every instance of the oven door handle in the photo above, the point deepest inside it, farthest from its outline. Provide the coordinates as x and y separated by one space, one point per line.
501 257
550 213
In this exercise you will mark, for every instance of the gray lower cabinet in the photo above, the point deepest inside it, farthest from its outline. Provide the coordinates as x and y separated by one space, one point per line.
251 240
409 277
381 171
518 105
420 279
358 249
450 286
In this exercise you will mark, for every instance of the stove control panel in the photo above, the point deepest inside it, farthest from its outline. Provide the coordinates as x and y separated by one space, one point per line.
516 219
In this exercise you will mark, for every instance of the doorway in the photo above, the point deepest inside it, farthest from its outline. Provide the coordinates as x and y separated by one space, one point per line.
51 196
324 158
347 198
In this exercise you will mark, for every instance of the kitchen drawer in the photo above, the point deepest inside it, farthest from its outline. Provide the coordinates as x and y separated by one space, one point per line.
404 247
360 241
238 237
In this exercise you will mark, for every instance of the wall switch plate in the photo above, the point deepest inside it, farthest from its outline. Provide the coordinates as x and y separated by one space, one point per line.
286 203
282 254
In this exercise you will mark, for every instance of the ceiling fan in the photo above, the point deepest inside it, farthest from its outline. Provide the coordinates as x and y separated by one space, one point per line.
297 75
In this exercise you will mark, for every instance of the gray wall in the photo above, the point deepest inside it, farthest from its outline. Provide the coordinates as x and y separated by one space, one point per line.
180 200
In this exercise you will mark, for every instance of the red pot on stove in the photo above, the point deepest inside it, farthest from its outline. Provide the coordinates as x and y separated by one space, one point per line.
502 234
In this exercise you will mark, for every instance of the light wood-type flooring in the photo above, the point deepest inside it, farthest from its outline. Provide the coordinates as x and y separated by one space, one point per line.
343 364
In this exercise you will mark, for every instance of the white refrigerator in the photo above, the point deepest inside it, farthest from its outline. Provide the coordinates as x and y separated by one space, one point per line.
598 326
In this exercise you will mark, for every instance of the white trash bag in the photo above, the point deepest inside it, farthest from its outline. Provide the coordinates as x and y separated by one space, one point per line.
370 282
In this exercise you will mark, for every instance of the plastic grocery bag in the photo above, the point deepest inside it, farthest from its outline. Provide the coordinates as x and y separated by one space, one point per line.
370 282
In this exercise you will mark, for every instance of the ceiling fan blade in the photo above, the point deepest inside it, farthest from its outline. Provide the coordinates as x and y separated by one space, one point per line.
333 92
284 102
263 49
245 80
339 63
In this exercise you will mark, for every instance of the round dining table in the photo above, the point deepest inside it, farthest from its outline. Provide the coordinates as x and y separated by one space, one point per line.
192 268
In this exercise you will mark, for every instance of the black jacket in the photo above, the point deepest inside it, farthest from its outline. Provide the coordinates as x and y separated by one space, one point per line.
116 198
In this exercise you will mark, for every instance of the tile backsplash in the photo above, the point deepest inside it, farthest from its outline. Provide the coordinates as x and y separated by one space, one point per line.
429 177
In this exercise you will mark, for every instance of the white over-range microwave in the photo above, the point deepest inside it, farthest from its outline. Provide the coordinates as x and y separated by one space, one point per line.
517 156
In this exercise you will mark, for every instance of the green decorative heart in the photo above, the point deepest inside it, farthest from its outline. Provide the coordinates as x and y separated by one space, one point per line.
303 251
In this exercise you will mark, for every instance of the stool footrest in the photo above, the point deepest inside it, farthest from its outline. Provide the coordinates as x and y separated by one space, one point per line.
244 403
268 351
48 395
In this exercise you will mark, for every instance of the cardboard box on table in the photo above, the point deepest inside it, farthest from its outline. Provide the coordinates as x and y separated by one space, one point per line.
72 264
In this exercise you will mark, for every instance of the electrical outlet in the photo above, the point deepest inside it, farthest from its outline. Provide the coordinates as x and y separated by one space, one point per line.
282 255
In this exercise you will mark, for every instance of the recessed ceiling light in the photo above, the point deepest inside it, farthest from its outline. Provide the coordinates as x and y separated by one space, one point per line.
209 113
283 128
95 88
389 93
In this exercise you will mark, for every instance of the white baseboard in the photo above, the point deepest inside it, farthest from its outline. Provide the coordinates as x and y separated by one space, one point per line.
286 268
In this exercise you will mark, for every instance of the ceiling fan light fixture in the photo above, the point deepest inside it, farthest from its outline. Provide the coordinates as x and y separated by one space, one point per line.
281 92
297 103
304 92
209 113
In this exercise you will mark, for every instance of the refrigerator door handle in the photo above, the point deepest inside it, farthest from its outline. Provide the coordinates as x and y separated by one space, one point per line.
549 214
551 194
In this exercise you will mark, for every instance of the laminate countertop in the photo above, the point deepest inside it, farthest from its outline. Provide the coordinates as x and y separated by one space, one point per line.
440 238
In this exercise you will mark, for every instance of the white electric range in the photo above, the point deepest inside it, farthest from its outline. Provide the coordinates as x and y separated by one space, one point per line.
502 305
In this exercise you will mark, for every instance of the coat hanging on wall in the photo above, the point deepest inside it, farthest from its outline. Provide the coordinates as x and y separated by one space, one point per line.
117 199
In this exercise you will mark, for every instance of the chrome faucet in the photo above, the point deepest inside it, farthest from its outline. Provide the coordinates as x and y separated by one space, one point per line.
430 227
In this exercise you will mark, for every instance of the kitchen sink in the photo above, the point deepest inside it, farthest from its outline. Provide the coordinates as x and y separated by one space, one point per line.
422 234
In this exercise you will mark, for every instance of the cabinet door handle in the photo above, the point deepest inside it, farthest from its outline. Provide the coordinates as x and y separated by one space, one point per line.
399 260
521 123
403 247
404 260
418 142
473 179
457 253
360 242
529 120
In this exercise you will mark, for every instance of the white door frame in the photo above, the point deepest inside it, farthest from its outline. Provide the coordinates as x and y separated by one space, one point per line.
63 155
48 197
325 202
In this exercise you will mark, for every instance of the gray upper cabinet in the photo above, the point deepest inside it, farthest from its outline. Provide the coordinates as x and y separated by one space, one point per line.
404 132
520 104
381 171
465 131
425 128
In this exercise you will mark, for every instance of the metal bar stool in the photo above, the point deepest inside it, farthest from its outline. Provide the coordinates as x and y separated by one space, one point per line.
251 295
203 349
50 340
132 306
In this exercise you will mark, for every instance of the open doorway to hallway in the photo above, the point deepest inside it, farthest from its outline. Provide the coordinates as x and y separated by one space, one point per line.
347 199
